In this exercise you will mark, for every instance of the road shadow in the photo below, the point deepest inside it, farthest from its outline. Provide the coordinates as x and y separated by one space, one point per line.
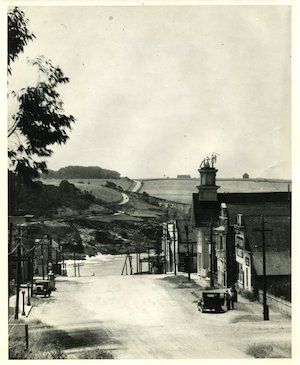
81 336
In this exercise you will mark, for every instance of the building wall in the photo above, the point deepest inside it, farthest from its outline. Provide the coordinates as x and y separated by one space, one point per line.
244 261
203 259
221 262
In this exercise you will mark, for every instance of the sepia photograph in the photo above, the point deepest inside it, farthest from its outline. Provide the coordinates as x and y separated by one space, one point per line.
149 184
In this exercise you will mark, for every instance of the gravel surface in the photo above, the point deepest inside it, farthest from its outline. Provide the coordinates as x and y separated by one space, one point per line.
149 317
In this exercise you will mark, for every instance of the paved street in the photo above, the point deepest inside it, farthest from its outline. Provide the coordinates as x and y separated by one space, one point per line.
148 317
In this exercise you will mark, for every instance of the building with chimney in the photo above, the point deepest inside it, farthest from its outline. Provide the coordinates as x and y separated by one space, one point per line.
229 235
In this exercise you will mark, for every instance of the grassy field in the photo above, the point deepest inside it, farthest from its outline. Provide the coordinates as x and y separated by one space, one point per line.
181 190
95 186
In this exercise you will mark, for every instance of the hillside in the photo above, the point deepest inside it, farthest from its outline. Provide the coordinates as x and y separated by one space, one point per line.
94 211
81 172
181 190
96 187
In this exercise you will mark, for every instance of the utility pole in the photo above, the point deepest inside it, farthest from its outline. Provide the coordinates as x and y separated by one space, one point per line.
9 251
212 281
263 230
74 258
43 269
186 227
32 250
130 263
139 255
148 255
63 262
18 273
50 253
266 308
164 245
174 237
192 257
165 248
137 259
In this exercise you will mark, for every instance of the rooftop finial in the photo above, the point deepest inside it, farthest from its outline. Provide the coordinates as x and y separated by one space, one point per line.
205 163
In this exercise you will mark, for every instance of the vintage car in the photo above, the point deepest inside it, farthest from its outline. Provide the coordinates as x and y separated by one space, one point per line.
212 301
41 287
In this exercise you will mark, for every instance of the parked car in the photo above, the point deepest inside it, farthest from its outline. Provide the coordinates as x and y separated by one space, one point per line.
41 287
212 301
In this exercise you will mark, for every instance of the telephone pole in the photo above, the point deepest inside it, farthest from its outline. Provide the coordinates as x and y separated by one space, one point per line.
174 237
186 227
212 281
74 258
42 249
263 230
18 273
265 306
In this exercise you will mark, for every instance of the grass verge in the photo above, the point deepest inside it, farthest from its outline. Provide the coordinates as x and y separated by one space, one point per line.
95 354
270 350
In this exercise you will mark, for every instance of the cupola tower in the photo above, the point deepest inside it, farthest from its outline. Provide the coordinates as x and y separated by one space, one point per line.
208 188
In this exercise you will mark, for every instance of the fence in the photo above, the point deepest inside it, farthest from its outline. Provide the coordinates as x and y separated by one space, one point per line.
279 304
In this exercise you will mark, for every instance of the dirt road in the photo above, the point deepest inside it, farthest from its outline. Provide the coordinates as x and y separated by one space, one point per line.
150 317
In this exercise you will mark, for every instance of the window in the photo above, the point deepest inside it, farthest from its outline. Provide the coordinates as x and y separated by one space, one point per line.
241 274
240 219
221 242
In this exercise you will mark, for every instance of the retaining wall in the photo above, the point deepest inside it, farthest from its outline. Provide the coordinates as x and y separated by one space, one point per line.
279 304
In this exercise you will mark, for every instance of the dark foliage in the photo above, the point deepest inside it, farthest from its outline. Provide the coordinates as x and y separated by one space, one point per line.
282 290
39 121
18 35
81 172
37 198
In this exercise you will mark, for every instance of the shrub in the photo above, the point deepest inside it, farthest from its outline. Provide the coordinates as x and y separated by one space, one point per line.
50 351
262 351
95 354
248 294
281 290
17 349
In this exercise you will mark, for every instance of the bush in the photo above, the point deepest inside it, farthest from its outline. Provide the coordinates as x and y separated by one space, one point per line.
50 352
95 354
17 350
248 294
281 290
262 351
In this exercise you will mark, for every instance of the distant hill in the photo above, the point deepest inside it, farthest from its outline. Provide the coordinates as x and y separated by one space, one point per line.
81 172
181 190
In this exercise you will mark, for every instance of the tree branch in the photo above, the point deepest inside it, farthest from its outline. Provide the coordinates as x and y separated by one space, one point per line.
12 129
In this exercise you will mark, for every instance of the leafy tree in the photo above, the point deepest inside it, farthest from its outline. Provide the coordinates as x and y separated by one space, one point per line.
39 121
18 35
82 172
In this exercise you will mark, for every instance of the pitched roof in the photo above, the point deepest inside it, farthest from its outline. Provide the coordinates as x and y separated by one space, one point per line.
274 206
277 263
250 198
277 220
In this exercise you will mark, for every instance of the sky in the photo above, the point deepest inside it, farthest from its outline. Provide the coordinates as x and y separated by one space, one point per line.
155 89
